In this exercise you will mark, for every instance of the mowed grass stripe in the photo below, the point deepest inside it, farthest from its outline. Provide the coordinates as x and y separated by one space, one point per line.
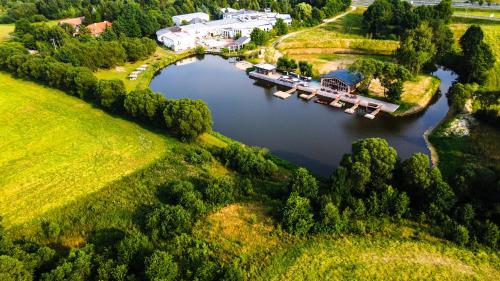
55 148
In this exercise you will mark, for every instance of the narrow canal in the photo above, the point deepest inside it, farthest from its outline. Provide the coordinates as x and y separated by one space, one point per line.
303 132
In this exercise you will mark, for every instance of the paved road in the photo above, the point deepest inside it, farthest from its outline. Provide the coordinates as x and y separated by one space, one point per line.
476 17
457 4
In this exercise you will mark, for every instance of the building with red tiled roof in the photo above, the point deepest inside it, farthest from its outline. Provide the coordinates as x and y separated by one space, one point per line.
74 22
99 27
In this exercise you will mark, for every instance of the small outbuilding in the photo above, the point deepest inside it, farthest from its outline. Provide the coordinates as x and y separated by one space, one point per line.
341 80
239 43
265 68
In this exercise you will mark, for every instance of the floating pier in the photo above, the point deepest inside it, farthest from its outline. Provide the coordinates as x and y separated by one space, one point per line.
336 103
373 113
308 96
285 95
353 108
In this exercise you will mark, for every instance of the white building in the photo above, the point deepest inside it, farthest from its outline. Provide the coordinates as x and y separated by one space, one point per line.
235 23
190 18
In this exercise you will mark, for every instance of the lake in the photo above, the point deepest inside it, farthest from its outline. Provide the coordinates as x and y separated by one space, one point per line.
303 132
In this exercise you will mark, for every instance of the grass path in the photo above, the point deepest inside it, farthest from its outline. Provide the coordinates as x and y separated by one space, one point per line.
55 149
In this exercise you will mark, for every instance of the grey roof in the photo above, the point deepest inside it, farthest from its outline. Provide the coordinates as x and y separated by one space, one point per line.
265 66
242 40
347 76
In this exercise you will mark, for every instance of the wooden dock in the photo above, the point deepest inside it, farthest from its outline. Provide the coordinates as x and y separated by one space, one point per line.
372 115
336 103
353 108
308 97
285 95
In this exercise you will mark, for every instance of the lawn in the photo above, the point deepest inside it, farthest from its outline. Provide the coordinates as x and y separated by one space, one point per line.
56 149
160 59
341 36
5 30
492 37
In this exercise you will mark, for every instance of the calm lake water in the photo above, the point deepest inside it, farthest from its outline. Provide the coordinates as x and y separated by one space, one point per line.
303 132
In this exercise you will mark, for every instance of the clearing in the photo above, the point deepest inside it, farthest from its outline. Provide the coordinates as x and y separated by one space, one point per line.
56 149
5 30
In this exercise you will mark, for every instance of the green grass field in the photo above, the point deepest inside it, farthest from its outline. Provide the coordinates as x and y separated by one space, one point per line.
341 36
367 258
56 149
492 37
5 30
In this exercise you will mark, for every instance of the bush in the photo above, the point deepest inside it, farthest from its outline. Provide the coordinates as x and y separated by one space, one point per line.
168 221
304 183
183 193
297 216
161 266
197 155
219 191
187 118
460 235
111 94
13 270
248 160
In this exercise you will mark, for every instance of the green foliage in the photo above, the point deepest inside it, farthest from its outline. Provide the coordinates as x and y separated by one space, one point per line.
77 266
161 267
248 160
145 105
306 69
458 95
183 193
199 50
134 249
219 191
138 49
187 118
13 270
478 58
460 235
51 230
111 94
297 215
167 221
416 48
394 91
259 36
389 74
281 27
378 156
331 220
286 64
304 184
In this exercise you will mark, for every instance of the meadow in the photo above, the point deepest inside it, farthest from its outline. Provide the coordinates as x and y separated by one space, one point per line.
57 149
245 232
344 35
5 30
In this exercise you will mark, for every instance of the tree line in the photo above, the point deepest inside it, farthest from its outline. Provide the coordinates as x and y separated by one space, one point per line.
185 118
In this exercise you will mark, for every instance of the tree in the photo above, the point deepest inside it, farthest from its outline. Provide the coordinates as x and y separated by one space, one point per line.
77 266
416 48
133 250
415 177
297 216
394 91
303 11
281 27
187 118
259 36
168 221
13 270
378 156
458 95
377 18
219 190
111 94
145 105
304 184
331 219
161 267
286 64
478 58
460 235
306 69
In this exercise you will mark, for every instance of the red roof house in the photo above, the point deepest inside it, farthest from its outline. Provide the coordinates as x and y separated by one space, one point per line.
99 27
